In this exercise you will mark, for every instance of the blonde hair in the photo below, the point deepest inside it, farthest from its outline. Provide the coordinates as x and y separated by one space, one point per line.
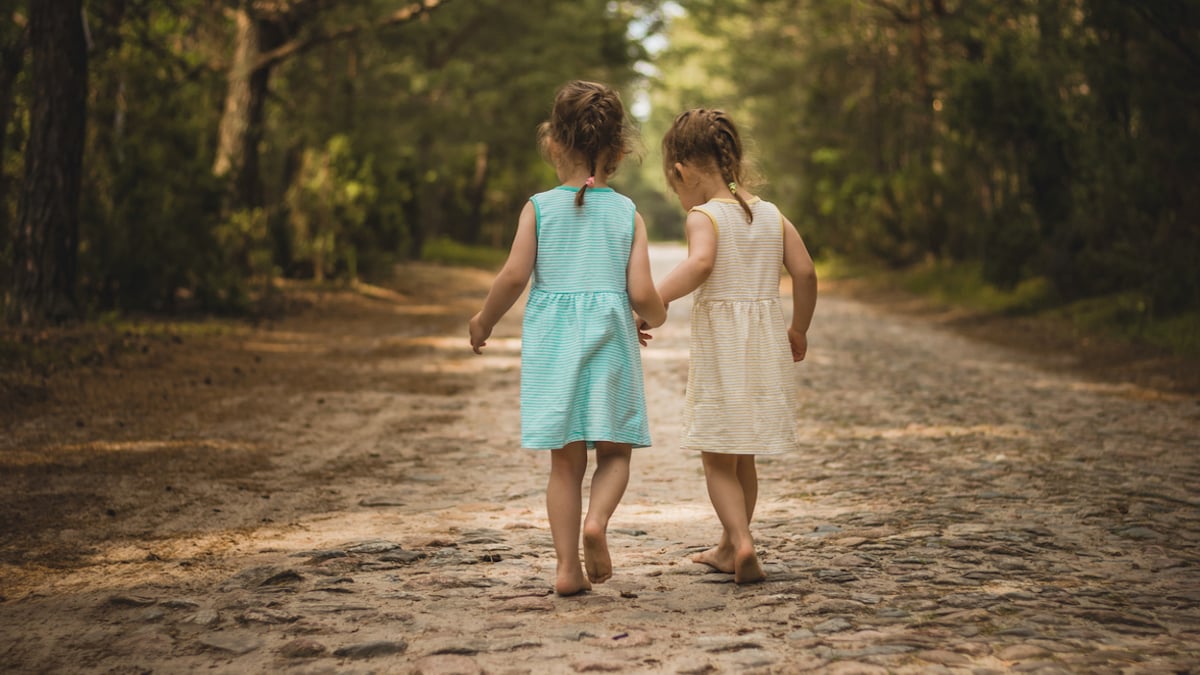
709 139
588 118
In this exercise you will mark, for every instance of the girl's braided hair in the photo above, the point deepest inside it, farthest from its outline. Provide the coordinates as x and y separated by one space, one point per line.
708 139
588 118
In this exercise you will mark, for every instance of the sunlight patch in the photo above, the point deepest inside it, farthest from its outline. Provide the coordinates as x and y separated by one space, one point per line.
925 431
51 453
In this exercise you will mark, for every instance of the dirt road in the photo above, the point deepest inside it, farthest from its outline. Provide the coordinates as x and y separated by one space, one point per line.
340 492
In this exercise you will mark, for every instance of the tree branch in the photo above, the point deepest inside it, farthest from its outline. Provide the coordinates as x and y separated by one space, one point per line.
1172 36
939 8
293 47
895 11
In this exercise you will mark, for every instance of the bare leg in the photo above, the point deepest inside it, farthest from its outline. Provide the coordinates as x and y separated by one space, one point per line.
721 557
747 474
564 498
608 486
729 499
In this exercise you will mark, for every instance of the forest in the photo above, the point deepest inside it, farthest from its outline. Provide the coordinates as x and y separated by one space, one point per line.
166 156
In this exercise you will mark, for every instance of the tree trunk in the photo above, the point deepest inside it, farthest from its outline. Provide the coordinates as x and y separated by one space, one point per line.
477 194
241 120
12 60
427 203
263 40
46 244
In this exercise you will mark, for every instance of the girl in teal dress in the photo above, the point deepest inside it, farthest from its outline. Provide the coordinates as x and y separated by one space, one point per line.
585 247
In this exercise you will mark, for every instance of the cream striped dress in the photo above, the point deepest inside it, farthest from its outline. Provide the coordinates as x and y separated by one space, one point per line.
741 391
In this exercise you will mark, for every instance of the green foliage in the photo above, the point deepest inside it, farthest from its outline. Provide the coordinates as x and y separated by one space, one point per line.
966 285
1128 316
328 203
372 145
448 109
150 234
447 251
1050 143
1047 143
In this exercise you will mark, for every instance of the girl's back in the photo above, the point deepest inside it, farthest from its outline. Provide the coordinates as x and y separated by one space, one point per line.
582 248
740 395
581 373
749 254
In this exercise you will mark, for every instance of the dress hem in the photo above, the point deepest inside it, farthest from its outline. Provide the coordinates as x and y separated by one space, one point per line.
590 445
738 452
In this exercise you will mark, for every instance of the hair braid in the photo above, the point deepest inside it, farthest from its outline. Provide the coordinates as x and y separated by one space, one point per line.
708 139
728 155
588 121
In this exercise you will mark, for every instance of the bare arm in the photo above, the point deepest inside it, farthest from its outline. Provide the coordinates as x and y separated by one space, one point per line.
642 294
511 280
702 253
799 265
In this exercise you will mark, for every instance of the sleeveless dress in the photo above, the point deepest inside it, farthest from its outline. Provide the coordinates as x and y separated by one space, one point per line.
581 371
741 390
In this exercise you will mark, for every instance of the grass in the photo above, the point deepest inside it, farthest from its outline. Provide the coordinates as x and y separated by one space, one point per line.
448 252
1122 316
962 285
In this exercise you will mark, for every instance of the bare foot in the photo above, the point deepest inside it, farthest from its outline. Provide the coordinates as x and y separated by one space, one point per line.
718 558
595 555
746 569
571 582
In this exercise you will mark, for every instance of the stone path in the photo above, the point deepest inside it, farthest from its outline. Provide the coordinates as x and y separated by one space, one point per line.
952 510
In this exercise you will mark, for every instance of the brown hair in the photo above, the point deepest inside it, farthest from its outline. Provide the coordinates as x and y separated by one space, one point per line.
588 118
710 140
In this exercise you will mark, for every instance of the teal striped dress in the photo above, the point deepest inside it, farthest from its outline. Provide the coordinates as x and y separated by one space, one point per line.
581 372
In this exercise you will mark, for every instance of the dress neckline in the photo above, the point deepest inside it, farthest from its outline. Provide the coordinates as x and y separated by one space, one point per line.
591 189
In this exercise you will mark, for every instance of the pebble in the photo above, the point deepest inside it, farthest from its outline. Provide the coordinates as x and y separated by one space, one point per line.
302 648
378 546
832 626
234 643
1021 652
446 664
369 650
205 617
267 616
131 601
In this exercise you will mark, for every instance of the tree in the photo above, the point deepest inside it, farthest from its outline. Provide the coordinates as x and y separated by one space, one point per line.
320 142
267 34
47 235
13 43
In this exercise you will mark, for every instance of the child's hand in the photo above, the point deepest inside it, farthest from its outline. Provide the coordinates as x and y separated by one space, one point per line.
799 343
479 334
643 328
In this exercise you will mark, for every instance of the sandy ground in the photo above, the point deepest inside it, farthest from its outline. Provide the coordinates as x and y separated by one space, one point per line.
340 491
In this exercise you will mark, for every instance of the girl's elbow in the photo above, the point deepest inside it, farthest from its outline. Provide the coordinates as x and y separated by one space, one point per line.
655 318
805 274
512 280
650 310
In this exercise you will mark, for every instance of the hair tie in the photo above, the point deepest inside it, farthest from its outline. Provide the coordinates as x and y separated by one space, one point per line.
733 187
590 182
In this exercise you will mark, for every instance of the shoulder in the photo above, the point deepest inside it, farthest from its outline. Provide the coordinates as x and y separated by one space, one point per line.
757 202
618 200
703 215
765 209
715 208
624 199
545 195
